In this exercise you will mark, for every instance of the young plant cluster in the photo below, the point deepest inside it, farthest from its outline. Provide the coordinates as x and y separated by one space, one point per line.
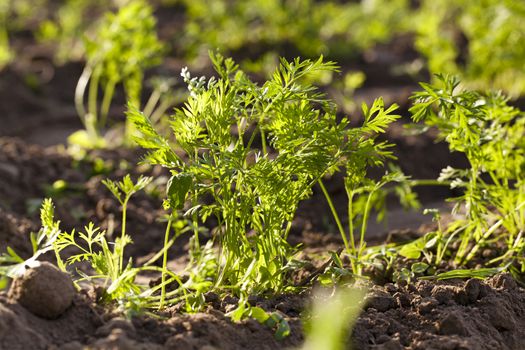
489 132
486 236
256 151
243 156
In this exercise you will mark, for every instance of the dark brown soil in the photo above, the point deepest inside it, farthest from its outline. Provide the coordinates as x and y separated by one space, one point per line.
449 315
86 324
14 232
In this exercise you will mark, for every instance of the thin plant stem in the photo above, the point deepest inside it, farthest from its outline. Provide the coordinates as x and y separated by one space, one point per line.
366 213
428 182
160 253
106 102
195 223
350 195
152 101
80 90
93 94
335 215
123 232
165 263
160 110
489 232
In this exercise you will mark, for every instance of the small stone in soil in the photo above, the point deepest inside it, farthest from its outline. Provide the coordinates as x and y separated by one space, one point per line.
43 290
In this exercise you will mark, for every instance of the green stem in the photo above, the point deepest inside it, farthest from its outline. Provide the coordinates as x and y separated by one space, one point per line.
152 101
80 90
351 220
195 222
160 253
335 215
429 182
160 110
350 195
490 231
165 263
364 223
93 94
263 141
106 102
123 232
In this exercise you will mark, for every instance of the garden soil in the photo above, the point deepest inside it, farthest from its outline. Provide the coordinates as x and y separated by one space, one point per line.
425 315
36 119
452 315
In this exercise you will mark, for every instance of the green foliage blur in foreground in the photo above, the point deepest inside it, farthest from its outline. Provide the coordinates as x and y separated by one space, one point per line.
332 317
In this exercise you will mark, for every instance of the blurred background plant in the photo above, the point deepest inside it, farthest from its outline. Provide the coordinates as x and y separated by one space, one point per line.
124 45
293 27
119 42
483 42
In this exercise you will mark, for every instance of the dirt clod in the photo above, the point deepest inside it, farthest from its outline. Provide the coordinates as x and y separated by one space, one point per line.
44 290
504 281
452 315
427 305
381 302
452 324
472 289
443 294
499 316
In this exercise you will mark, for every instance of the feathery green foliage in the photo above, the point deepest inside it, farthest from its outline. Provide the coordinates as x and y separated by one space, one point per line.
257 151
489 133
106 258
337 29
